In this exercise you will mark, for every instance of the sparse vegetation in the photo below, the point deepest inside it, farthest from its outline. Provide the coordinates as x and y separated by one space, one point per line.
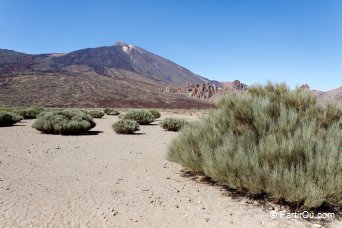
9 118
126 126
96 113
269 140
155 113
173 124
66 122
111 111
141 116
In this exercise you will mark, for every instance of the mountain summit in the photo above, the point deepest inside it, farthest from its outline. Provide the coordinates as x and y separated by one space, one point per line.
127 48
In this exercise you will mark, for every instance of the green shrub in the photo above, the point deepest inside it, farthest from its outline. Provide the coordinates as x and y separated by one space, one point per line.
96 114
66 122
141 116
155 113
269 140
9 118
126 126
111 111
28 113
6 109
173 124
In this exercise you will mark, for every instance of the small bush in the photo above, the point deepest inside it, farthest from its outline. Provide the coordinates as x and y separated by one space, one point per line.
155 113
66 122
126 126
111 111
121 116
173 124
9 118
28 113
96 114
269 140
141 116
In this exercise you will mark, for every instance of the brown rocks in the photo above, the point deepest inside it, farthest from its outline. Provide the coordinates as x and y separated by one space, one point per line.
207 90
304 86
238 85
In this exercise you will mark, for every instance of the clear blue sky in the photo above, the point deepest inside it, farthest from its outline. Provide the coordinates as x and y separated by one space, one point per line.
254 41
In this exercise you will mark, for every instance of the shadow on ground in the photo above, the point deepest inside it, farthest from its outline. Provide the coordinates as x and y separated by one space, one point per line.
89 133
262 200
16 125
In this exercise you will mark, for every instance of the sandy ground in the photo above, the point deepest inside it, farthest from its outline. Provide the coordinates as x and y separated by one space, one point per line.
110 180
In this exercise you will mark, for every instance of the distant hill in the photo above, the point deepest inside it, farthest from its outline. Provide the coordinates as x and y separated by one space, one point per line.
120 75
335 95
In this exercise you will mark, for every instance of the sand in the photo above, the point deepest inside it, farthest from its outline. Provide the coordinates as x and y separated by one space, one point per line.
108 180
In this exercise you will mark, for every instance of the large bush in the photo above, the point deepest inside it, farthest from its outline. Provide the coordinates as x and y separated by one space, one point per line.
141 116
173 124
155 113
111 111
9 118
269 140
126 126
66 122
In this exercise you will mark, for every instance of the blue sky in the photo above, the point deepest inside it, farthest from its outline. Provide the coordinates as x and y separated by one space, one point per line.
288 41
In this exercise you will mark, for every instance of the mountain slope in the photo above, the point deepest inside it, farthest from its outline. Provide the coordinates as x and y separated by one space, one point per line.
11 61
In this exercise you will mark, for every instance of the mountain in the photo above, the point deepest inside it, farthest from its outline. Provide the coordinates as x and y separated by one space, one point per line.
132 58
119 56
121 75
335 95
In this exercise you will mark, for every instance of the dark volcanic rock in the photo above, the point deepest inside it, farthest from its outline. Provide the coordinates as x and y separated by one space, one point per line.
304 86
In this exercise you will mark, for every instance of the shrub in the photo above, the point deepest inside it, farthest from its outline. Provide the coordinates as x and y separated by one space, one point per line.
66 122
141 116
111 111
269 140
173 124
28 113
155 113
126 126
9 118
121 116
96 114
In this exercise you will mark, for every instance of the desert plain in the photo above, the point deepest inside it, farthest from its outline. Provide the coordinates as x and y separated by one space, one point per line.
103 179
